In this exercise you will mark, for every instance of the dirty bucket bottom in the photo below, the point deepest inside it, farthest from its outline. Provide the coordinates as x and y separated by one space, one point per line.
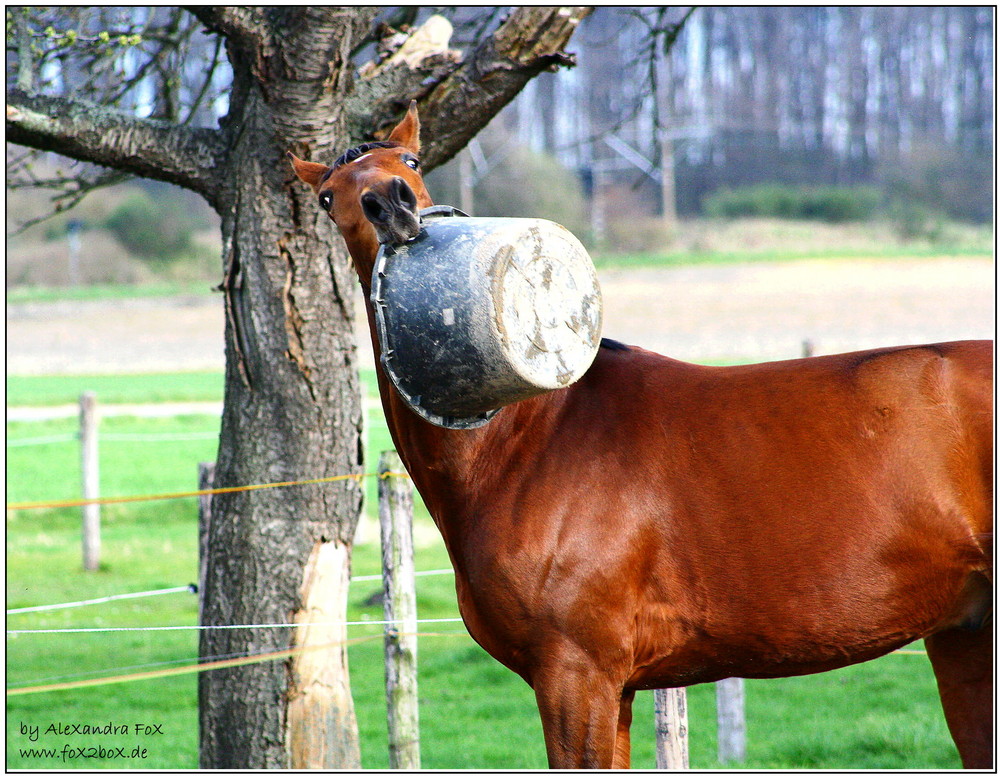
475 314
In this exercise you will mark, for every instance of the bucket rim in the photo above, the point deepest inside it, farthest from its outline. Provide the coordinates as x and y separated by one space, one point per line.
385 251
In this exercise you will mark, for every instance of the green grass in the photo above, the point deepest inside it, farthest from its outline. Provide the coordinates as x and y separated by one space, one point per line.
52 471
115 389
647 260
474 713
105 291
147 388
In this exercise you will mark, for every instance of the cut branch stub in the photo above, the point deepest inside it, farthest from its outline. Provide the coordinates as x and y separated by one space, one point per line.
531 40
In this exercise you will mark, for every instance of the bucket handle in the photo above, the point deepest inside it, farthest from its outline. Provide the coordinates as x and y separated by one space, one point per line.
440 210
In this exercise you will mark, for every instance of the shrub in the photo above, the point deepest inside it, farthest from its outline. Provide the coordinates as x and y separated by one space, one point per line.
834 204
158 230
521 184
638 234
914 221
533 185
946 181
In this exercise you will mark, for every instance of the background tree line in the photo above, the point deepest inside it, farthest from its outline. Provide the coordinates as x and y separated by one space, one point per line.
900 98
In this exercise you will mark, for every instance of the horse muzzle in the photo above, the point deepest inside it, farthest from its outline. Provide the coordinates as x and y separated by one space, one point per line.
392 211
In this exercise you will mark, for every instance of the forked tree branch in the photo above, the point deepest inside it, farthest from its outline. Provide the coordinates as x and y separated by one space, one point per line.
187 156
532 39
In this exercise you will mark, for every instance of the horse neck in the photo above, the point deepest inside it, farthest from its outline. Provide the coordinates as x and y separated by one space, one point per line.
438 459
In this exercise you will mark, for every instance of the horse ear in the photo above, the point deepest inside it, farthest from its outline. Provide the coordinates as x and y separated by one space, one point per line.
407 132
309 172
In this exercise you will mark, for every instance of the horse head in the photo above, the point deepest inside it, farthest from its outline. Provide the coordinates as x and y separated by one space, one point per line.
373 192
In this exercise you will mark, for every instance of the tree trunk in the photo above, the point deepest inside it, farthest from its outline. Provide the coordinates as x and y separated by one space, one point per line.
292 405
292 411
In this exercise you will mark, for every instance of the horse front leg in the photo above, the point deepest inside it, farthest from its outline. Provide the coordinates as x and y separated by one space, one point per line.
580 711
623 739
963 666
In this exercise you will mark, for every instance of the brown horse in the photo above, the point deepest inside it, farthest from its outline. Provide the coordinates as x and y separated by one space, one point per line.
659 524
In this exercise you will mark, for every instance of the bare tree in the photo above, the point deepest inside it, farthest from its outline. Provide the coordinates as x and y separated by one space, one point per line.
292 407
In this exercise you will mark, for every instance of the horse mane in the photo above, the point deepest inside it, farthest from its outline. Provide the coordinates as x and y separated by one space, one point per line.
353 153
610 344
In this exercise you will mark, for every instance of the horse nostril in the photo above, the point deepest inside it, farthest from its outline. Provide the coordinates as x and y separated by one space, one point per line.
373 209
392 210
404 194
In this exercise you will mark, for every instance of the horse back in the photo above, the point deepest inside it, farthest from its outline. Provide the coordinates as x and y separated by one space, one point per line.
875 411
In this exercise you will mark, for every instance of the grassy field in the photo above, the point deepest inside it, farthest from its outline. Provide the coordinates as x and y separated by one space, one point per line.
115 389
20 294
474 713
742 240
642 259
44 391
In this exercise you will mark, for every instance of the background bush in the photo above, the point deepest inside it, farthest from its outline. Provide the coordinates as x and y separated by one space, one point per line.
833 204
945 182
160 230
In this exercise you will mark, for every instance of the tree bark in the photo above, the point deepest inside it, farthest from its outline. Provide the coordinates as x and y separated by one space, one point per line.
281 557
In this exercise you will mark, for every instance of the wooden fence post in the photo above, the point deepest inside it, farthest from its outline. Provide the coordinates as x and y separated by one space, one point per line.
395 511
91 481
671 729
365 530
206 481
729 704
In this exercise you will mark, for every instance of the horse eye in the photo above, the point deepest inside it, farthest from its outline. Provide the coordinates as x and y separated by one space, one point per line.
325 200
412 162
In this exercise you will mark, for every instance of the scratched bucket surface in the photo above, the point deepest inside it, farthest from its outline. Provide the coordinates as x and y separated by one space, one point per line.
474 314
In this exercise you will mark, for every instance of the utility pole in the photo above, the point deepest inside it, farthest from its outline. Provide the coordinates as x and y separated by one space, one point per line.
466 199
661 106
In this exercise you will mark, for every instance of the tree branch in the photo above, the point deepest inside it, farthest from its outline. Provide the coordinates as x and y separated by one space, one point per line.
459 103
189 157
70 197
240 24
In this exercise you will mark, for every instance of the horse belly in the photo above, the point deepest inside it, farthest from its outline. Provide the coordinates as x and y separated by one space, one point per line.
757 644
782 612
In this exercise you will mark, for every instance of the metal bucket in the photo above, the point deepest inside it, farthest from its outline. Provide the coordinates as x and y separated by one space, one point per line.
474 314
